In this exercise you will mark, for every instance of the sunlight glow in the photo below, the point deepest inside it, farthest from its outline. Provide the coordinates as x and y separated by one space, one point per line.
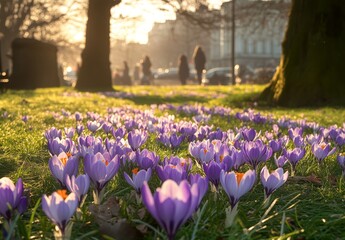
131 20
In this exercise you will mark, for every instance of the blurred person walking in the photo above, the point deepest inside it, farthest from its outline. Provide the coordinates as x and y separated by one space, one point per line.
125 75
183 69
199 62
146 69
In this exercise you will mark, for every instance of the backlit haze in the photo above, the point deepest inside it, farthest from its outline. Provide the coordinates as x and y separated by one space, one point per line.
131 20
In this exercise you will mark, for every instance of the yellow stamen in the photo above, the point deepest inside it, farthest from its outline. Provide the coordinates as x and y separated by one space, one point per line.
239 177
135 171
62 193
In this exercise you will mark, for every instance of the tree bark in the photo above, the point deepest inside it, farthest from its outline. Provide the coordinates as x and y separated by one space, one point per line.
94 73
311 69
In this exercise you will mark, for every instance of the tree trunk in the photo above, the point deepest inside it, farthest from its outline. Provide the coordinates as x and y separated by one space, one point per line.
311 70
94 73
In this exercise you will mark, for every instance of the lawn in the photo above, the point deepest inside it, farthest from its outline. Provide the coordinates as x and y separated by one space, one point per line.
309 205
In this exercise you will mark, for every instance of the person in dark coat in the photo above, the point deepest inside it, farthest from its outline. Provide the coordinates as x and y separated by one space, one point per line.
199 62
183 69
125 75
146 68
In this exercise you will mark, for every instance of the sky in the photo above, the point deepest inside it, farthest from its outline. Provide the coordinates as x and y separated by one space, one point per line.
130 22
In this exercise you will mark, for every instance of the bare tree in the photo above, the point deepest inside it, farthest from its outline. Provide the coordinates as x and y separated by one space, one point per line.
29 18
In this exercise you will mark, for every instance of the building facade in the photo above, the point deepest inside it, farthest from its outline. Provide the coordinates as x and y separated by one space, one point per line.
260 28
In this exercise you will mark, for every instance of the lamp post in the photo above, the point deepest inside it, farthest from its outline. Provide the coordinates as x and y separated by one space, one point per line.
233 27
1 36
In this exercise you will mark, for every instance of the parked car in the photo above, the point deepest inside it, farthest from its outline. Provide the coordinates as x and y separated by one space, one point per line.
70 77
169 73
217 76
172 74
263 75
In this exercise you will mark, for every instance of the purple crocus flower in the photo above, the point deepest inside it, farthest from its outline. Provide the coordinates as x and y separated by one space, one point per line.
119 132
94 126
52 133
90 145
238 159
313 138
138 178
136 138
57 145
172 204
69 132
79 129
63 165
11 198
59 208
280 161
248 134
212 171
175 140
237 184
25 118
276 145
79 185
341 161
340 139
294 156
107 127
272 181
202 151
78 117
298 141
295 132
170 171
322 150
255 152
146 159
202 184
101 169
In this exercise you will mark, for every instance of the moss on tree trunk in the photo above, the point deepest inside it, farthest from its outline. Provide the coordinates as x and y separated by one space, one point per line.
311 69
94 72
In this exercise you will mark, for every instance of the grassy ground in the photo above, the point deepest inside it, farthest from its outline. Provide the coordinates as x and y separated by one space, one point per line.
305 208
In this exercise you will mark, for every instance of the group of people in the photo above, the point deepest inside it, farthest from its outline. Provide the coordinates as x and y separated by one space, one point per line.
199 59
199 64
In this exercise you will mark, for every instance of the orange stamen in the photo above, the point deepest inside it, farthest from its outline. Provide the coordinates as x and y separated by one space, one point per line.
62 193
105 162
239 177
221 158
69 154
205 150
135 171
323 146
63 160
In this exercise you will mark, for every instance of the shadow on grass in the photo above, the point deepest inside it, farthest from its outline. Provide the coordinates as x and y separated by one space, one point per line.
155 99
7 166
243 100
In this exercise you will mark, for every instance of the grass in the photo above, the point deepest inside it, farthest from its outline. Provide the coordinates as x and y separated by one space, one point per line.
303 209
